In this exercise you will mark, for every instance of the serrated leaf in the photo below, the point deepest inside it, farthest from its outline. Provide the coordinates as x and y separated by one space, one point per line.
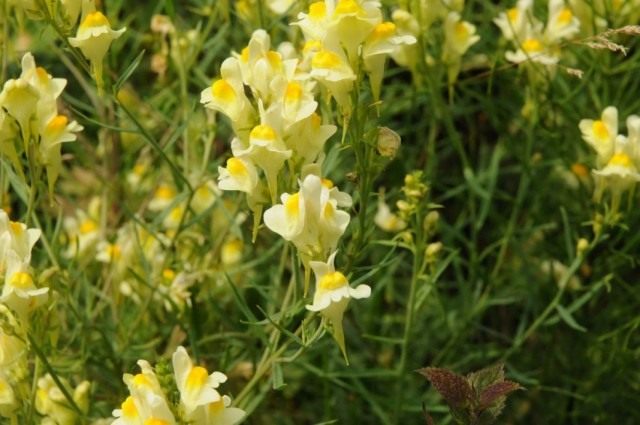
493 393
483 378
455 389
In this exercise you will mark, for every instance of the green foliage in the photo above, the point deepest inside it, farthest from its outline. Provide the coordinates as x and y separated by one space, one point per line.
497 276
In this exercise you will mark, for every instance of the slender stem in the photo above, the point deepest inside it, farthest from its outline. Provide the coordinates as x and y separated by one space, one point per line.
270 352
55 377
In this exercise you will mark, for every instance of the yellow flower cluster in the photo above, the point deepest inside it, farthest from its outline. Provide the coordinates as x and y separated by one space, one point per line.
618 156
339 36
20 297
270 98
199 402
599 15
533 40
30 123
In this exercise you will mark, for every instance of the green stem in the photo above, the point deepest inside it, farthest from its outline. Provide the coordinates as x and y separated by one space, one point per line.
54 376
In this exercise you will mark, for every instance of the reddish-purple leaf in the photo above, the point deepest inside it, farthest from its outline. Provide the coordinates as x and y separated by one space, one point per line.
454 388
494 392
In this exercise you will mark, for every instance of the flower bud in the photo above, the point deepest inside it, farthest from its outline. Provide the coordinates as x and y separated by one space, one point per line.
432 251
161 24
582 246
431 221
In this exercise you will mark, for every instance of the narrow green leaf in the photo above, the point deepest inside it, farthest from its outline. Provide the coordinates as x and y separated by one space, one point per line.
566 316
277 376
128 72
240 302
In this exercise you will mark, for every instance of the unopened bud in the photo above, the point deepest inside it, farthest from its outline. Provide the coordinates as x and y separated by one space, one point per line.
598 221
161 24
407 237
388 142
431 221
432 251
231 252
582 246
403 206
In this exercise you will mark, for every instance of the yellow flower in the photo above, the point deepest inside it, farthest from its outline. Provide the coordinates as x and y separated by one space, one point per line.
197 387
19 291
310 218
226 94
386 220
51 402
562 23
218 412
382 41
333 71
515 22
267 150
601 134
332 296
8 402
94 37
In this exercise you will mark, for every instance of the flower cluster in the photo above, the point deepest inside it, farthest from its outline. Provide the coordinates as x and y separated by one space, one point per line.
52 404
339 35
276 124
269 97
30 123
198 401
533 40
598 15
20 297
19 291
618 156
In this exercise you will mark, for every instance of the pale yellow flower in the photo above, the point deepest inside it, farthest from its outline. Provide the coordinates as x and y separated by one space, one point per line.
51 402
83 232
8 401
197 387
532 47
239 174
94 37
218 412
226 94
308 137
260 66
310 218
19 291
601 134
267 150
231 252
72 9
406 24
333 71
163 197
17 238
381 42
562 23
517 21
352 21
332 296
386 220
